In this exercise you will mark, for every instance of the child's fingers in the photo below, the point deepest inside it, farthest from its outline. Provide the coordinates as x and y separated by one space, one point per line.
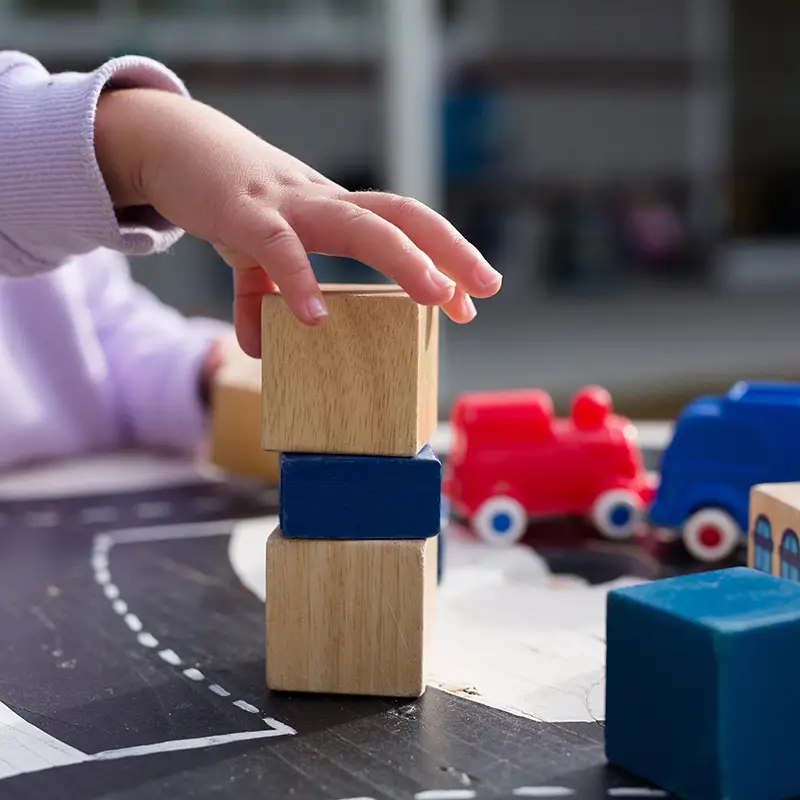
270 241
431 232
250 284
460 309
338 228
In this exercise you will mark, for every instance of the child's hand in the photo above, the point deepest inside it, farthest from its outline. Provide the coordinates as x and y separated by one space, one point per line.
264 211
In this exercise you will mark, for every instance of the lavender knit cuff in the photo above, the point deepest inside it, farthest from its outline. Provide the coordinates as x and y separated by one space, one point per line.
61 205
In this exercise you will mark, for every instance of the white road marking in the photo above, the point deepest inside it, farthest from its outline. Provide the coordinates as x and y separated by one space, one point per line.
207 505
133 622
42 519
147 640
25 748
446 794
274 728
102 547
153 510
163 533
98 515
99 561
543 791
171 657
120 606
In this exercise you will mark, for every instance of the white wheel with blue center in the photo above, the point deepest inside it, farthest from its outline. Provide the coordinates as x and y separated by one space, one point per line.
500 521
617 514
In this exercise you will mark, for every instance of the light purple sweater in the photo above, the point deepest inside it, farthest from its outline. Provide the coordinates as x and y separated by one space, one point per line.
89 360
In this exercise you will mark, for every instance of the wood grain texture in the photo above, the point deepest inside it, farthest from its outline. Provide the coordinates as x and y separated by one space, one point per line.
235 442
780 504
349 617
364 383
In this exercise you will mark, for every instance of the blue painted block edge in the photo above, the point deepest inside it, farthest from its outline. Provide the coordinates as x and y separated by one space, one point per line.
318 501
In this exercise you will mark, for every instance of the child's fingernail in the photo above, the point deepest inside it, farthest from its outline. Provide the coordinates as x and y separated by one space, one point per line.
488 277
440 280
469 307
316 308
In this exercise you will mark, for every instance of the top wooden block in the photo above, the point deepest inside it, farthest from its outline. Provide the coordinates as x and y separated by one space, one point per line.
364 383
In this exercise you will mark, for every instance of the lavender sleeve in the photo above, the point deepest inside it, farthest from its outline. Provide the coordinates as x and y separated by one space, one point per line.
154 353
53 201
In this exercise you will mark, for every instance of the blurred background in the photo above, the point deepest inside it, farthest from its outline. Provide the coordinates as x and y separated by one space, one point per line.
631 166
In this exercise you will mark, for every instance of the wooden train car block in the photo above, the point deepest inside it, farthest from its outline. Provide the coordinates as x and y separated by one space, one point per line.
360 497
363 383
696 702
235 440
349 617
773 539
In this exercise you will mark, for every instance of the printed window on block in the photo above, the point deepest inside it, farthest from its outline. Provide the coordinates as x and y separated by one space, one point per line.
790 556
762 541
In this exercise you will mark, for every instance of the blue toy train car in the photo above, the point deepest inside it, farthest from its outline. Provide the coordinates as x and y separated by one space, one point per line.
722 446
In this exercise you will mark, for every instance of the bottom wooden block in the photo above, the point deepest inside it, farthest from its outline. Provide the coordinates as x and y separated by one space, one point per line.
349 617
773 539
236 419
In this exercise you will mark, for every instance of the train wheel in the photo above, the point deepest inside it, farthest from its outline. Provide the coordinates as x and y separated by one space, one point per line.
500 521
617 514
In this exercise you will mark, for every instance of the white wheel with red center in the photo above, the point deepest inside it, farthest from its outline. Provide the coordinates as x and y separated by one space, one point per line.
711 534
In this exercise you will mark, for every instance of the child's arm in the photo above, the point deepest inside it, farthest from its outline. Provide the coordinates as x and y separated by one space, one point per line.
54 203
76 161
155 355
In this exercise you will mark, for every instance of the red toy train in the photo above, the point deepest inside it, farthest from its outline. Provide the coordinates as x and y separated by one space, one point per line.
512 460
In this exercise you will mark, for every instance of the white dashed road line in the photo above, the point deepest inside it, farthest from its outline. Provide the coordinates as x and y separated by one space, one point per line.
153 510
42 519
105 542
99 515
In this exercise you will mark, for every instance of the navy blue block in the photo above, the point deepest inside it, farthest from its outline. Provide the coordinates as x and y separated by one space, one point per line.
702 692
360 497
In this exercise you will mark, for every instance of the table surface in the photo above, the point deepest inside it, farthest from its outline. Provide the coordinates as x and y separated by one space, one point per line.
131 639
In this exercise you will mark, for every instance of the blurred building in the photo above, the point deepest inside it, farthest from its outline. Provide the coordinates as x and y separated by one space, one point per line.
688 101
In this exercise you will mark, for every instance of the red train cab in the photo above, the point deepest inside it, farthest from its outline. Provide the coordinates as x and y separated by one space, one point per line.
512 460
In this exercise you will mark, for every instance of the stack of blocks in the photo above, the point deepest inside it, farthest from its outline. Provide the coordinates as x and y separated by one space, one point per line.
352 568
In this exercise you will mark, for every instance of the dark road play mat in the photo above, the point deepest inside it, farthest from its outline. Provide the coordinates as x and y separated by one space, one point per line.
133 667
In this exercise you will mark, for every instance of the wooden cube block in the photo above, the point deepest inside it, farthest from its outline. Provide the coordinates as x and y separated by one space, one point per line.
349 617
693 702
363 383
236 419
772 542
